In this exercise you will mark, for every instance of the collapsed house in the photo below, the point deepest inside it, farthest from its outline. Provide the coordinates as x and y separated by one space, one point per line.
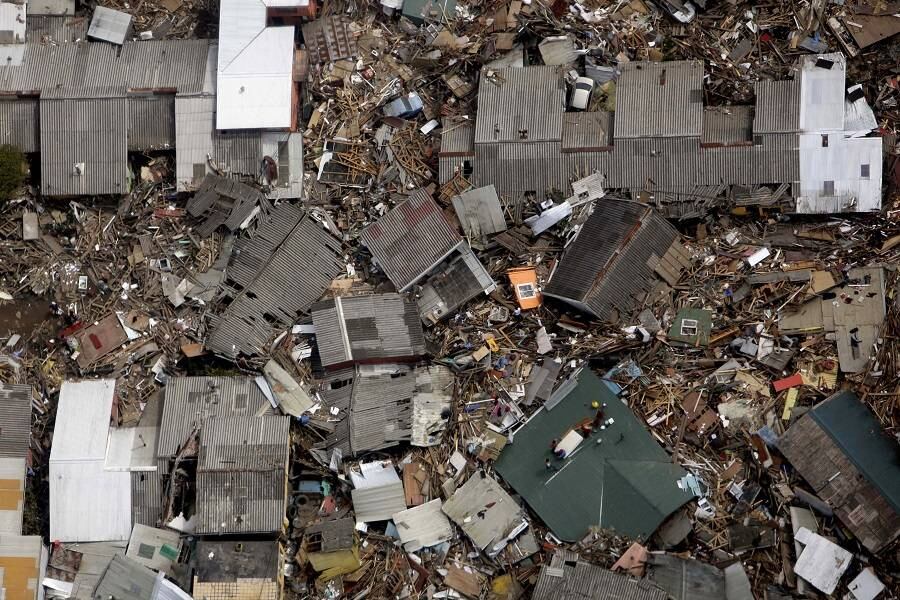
620 254
808 142
840 450
415 245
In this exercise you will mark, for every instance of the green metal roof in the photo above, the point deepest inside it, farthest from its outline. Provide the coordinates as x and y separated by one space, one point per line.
626 483
858 433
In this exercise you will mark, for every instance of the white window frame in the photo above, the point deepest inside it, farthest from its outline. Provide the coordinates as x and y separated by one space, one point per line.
526 291
689 324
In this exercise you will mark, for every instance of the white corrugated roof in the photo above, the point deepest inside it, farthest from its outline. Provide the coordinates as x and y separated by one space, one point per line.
13 469
87 502
255 71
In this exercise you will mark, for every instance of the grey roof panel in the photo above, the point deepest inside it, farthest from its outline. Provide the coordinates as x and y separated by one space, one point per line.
19 120
479 212
241 501
84 147
189 401
151 122
727 125
334 535
521 105
410 239
567 577
367 328
587 131
659 99
686 579
246 442
125 578
15 420
146 498
482 493
457 136
777 106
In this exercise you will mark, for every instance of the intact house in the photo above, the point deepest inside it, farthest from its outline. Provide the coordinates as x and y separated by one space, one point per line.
88 109
808 142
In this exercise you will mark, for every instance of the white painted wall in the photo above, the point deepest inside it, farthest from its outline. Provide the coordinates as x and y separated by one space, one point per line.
841 163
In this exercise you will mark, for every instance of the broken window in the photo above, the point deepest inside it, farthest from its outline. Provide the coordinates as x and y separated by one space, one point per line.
467 168
824 140
828 188
241 401
864 171
199 172
689 327
526 290
146 551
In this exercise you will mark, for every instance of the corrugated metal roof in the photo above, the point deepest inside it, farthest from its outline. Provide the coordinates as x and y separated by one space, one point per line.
97 69
367 328
240 443
146 498
410 239
480 213
378 492
381 409
423 526
87 503
536 168
222 561
240 501
19 124
94 560
568 577
777 106
500 513
659 99
434 393
457 136
189 401
453 284
276 285
55 29
84 147
587 131
15 420
521 105
727 125
124 578
685 579
151 122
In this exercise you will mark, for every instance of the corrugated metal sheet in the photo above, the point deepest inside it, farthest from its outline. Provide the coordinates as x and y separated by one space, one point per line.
239 443
410 239
21 558
94 560
240 501
329 38
480 214
434 394
124 578
454 284
84 147
19 124
777 106
569 577
659 99
381 409
276 285
59 30
686 579
224 202
727 125
521 104
423 526
377 492
87 503
15 420
97 70
587 131
536 168
146 498
367 328
333 535
151 122
654 162
501 513
109 25
457 136
189 401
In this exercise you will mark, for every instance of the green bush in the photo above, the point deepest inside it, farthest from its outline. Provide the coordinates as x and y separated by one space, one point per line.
12 171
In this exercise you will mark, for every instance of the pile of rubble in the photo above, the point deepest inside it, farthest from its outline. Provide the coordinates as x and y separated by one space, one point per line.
516 338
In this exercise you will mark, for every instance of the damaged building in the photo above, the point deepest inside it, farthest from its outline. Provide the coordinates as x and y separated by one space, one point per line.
661 144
